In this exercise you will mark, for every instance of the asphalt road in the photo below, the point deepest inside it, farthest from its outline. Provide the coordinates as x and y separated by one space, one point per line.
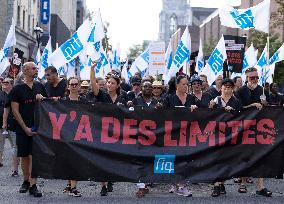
125 192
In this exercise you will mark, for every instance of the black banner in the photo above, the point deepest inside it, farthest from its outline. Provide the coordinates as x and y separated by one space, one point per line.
235 49
110 143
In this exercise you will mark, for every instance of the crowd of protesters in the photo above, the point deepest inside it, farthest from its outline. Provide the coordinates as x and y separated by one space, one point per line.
18 104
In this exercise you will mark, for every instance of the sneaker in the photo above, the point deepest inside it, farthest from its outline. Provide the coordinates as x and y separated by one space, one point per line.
104 191
75 193
216 191
25 187
172 189
184 191
67 189
222 189
264 192
15 174
34 191
109 187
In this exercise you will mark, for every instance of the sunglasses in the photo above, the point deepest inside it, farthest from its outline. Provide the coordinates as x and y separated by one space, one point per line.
228 85
196 83
157 87
5 82
74 85
136 84
254 77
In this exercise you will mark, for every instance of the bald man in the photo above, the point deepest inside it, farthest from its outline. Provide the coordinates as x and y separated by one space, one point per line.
23 98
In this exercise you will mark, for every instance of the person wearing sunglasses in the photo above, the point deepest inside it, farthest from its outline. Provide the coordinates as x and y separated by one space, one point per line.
157 91
73 86
229 103
199 98
136 88
8 125
252 95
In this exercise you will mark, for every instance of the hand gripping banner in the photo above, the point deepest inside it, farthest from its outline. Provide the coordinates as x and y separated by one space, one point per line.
110 143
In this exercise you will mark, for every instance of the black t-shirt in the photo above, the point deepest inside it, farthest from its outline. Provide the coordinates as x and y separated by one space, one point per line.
125 87
3 99
26 97
213 92
248 96
104 97
140 101
233 102
58 91
173 100
11 121
275 100
204 102
131 95
81 98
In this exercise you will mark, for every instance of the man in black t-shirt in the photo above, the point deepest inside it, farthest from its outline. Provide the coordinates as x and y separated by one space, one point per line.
55 86
252 95
23 100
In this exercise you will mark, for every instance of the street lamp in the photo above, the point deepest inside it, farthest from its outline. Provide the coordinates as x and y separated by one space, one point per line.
38 31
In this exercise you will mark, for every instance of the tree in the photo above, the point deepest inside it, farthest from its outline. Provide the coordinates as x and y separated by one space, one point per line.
134 51
259 39
209 47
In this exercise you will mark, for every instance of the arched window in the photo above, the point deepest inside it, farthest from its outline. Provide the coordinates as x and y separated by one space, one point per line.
173 24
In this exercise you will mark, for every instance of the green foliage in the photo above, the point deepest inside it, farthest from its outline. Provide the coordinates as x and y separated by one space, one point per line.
209 46
259 40
134 51
106 45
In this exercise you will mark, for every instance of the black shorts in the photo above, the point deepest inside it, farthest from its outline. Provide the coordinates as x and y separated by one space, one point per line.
24 144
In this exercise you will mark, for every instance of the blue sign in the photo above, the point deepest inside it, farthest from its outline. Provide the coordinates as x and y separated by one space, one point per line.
72 47
243 20
216 61
45 11
182 54
164 164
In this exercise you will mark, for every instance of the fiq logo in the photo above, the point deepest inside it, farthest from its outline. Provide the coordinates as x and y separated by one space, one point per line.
164 164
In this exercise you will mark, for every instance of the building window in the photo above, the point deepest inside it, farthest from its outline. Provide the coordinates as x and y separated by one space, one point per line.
24 19
173 24
18 16
29 23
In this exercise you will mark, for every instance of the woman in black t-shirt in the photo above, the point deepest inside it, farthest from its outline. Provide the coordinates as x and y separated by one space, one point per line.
113 94
74 90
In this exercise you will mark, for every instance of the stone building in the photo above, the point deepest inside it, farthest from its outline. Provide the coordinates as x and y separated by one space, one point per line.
179 14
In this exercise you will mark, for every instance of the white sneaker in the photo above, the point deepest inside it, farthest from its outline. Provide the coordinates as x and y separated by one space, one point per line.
184 191
172 189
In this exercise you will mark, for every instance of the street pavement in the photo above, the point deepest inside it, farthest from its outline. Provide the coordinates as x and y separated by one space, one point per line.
125 192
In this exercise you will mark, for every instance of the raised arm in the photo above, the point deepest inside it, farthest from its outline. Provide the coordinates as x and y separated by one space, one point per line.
95 87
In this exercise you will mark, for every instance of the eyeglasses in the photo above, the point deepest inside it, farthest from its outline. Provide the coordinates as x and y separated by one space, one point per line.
254 78
74 85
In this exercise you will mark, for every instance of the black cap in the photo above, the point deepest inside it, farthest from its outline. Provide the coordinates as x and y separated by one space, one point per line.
227 80
136 80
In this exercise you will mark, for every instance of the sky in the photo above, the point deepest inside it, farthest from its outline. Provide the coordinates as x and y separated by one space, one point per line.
132 21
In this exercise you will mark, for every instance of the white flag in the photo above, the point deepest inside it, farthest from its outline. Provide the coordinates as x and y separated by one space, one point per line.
9 42
71 69
72 47
141 63
38 57
45 58
254 17
168 60
250 58
182 55
214 66
95 39
124 72
199 59
277 56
